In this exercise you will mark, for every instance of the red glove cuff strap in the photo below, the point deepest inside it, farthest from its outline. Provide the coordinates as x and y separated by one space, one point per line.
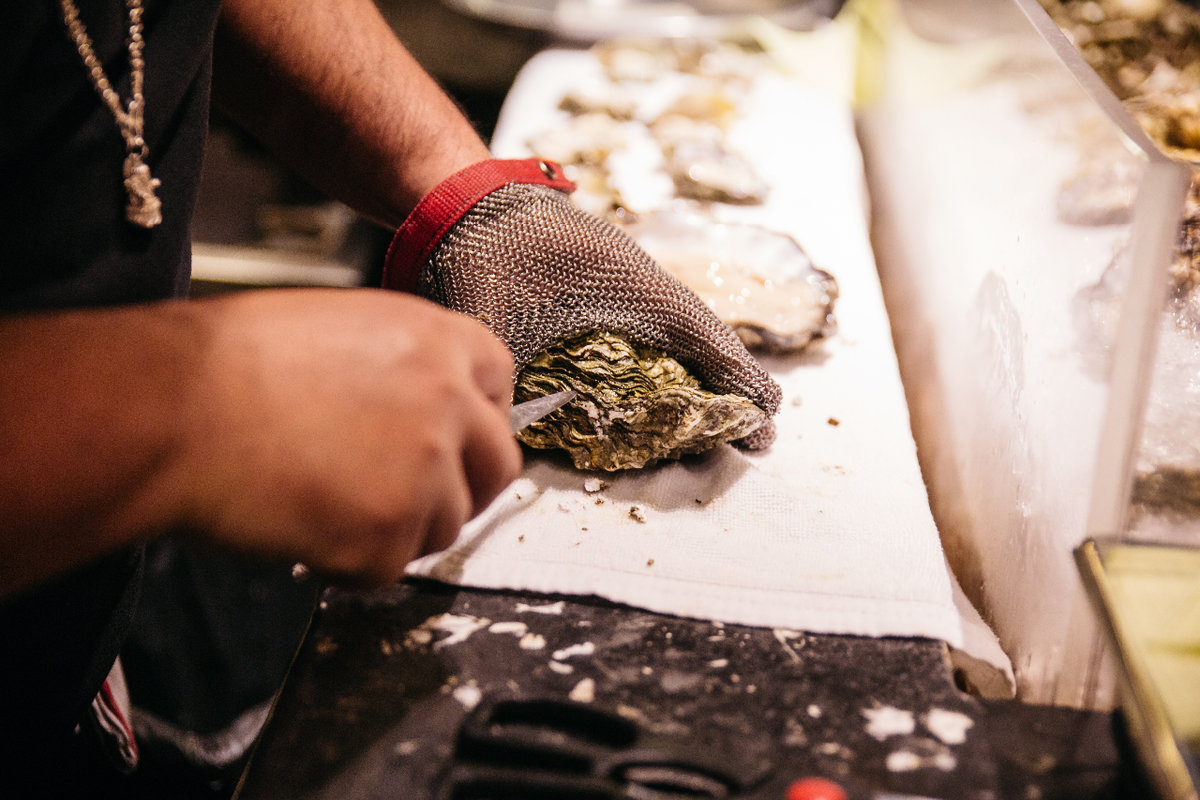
448 202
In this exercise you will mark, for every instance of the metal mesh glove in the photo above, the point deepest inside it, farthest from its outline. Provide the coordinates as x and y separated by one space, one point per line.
502 242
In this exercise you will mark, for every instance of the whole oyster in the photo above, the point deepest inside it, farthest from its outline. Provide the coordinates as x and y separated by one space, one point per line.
635 406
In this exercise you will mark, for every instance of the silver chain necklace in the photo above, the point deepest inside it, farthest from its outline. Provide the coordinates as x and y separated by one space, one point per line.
144 208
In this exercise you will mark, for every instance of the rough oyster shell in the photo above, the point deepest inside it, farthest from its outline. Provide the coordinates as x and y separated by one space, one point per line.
596 193
635 406
712 172
670 130
759 282
646 59
710 104
586 139
606 98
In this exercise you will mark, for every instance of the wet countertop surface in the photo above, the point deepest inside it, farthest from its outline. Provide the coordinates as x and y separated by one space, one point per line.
383 682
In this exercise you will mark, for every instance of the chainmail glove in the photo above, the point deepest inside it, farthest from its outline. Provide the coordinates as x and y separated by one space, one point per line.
502 242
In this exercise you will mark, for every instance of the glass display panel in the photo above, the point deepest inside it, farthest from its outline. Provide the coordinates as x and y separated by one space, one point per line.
1023 222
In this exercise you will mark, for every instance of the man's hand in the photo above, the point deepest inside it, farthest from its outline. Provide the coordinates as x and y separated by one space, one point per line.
352 430
502 242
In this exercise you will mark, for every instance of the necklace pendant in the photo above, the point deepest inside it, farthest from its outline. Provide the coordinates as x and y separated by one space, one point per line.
144 208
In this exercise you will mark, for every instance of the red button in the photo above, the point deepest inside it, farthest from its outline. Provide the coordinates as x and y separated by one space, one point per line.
815 789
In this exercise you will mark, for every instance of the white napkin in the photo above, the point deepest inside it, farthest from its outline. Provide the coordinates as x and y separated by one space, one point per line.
830 529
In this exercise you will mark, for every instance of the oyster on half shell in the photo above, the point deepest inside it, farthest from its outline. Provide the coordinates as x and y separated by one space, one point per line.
711 172
759 282
635 406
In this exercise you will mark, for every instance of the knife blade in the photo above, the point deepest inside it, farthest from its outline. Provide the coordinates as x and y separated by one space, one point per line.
530 411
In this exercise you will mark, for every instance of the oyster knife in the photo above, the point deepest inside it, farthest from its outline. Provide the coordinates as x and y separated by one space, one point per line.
529 412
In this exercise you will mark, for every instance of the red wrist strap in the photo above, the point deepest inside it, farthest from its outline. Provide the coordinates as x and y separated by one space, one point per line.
448 202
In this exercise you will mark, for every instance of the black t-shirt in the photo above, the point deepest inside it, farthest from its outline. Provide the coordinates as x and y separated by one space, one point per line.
65 243
64 240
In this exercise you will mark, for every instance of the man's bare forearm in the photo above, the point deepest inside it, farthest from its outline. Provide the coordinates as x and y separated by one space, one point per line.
328 87
284 424
92 403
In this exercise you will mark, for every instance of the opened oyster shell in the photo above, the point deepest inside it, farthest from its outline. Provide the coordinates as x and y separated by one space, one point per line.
635 406
647 59
586 139
759 282
712 172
